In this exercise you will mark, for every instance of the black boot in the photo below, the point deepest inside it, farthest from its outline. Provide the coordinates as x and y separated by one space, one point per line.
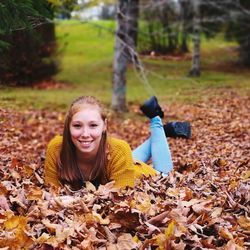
151 108
177 129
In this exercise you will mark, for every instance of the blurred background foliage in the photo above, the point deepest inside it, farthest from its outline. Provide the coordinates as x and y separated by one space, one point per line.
71 43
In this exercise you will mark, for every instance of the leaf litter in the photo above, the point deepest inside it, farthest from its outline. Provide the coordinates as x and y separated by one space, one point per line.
202 204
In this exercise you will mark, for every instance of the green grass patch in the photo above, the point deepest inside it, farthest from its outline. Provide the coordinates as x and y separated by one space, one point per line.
86 51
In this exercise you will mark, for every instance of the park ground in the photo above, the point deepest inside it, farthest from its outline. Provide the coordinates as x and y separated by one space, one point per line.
205 202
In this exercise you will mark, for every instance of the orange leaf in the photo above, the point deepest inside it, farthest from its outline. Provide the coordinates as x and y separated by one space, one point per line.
244 222
34 193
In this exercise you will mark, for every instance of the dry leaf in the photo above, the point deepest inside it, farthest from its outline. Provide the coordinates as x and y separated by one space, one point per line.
202 203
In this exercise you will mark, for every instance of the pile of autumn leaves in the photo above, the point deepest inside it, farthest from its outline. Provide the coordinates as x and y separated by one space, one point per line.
202 204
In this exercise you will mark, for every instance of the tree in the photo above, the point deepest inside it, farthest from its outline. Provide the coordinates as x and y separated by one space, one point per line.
132 30
28 41
235 16
125 43
239 28
16 15
161 27
195 69
184 17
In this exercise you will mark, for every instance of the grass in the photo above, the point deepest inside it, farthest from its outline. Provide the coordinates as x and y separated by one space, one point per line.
87 51
86 55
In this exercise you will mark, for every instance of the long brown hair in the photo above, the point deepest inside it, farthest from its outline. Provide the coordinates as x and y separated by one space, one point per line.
68 170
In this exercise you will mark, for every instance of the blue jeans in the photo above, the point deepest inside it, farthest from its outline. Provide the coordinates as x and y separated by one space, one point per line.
156 147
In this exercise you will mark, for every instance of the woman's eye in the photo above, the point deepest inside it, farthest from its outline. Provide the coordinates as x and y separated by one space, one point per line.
93 125
76 125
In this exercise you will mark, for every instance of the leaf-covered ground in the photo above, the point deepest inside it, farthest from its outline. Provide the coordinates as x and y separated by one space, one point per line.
202 204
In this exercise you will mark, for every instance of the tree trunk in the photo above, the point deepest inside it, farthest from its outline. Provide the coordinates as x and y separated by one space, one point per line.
132 30
120 59
195 70
183 23
125 41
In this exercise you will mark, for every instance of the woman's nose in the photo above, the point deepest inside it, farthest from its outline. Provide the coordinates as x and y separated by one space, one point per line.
85 132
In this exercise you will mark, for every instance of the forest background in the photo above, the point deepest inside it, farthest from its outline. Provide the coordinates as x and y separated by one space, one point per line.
193 55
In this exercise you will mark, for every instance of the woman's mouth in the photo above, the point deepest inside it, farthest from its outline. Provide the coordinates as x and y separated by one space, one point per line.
85 144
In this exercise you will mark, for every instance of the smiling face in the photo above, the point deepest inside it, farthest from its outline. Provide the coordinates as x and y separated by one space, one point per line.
86 128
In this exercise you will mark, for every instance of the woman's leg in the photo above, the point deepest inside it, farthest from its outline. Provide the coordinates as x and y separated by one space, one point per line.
161 155
157 147
143 152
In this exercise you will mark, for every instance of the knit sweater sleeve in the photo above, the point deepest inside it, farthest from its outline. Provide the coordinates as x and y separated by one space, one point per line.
121 167
50 167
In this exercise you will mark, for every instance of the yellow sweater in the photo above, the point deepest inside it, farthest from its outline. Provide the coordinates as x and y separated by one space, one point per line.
120 167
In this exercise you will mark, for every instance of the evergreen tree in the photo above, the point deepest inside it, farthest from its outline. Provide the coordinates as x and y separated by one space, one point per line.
27 41
15 14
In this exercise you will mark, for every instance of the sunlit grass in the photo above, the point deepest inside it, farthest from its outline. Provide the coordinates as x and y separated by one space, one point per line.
87 51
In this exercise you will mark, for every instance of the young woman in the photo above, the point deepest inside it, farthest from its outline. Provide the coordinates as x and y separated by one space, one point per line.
86 153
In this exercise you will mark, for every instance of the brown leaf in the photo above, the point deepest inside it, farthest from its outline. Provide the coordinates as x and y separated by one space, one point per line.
206 194
124 242
244 222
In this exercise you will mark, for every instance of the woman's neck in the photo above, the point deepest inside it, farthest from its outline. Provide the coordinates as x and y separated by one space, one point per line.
85 158
85 165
